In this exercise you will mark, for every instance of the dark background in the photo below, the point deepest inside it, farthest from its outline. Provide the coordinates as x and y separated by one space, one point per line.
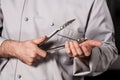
114 72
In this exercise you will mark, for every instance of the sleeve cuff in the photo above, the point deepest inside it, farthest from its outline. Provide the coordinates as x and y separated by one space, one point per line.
81 69
2 40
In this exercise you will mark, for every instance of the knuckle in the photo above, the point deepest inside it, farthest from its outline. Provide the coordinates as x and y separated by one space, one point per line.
31 61
78 50
30 64
75 54
80 54
75 42
68 52
44 54
87 54
33 55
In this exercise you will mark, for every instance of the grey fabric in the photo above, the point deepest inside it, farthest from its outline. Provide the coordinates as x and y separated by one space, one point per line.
30 19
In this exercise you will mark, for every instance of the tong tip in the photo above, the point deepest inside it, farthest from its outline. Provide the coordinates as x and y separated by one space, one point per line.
69 22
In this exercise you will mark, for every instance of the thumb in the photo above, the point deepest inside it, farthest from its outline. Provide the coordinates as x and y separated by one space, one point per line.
96 43
40 40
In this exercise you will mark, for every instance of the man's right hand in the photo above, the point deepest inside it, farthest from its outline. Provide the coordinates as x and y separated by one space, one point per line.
27 51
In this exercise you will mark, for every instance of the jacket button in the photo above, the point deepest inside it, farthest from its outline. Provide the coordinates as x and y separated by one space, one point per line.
26 19
19 76
52 24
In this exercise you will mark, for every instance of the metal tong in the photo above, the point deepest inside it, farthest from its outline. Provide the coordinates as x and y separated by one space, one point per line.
78 40
59 29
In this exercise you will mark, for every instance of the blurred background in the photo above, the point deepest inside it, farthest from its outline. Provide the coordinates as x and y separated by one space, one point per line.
114 72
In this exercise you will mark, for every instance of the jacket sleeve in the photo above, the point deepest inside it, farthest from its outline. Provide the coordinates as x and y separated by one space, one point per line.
3 61
100 28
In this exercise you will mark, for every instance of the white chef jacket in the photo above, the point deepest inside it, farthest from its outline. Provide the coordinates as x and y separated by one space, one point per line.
30 19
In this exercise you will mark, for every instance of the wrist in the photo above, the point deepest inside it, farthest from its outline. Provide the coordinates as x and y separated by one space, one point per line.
7 48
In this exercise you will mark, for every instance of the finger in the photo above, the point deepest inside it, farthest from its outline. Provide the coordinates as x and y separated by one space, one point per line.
38 57
40 40
97 43
86 50
30 61
41 53
72 47
94 43
67 47
78 48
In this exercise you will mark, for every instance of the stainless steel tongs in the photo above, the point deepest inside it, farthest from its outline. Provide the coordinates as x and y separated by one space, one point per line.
59 29
78 40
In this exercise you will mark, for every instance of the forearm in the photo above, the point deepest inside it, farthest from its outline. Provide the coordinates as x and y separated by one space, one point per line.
7 48
4 53
26 51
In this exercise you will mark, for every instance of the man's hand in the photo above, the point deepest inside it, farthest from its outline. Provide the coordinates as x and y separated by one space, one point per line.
27 51
75 49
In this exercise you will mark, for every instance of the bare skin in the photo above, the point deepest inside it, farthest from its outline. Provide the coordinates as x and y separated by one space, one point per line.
81 50
27 51
73 48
